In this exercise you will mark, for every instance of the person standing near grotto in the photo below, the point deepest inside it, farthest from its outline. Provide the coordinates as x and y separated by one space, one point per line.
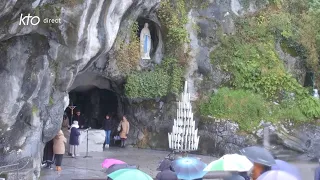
79 117
107 126
65 127
48 154
59 149
124 130
258 170
74 139
317 172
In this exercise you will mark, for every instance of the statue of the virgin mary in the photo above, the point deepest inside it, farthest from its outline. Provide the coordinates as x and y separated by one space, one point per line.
145 42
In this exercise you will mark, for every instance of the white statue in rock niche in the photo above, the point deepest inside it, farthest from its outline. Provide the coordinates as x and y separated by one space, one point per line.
145 42
315 93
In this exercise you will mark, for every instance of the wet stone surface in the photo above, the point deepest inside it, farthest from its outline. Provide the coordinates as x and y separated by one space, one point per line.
147 160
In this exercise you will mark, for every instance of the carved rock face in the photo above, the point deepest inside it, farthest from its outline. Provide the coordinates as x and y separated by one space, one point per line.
38 65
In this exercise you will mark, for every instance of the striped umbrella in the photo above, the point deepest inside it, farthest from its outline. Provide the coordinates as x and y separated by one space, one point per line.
230 162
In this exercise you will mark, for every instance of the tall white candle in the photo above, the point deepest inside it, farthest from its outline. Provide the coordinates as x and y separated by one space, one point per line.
170 141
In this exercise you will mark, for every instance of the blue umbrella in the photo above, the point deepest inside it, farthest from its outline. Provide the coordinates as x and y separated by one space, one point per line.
276 175
286 167
189 168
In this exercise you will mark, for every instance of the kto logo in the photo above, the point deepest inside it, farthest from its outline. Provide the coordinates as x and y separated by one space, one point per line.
33 20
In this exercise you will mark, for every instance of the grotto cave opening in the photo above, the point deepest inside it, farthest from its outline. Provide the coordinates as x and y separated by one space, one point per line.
154 30
93 103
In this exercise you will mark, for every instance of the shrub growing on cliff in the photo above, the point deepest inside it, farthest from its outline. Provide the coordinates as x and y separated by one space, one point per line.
173 17
128 54
251 58
244 107
166 78
248 108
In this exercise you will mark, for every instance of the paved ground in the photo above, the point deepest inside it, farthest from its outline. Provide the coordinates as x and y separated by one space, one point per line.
147 160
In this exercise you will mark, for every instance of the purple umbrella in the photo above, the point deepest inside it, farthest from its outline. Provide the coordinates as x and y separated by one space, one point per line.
286 167
276 175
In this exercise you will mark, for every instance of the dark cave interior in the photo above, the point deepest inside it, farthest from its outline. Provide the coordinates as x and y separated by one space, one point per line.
94 104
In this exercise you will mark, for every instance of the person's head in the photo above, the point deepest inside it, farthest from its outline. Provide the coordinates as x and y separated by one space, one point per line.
75 124
124 118
107 116
257 170
78 113
146 25
60 133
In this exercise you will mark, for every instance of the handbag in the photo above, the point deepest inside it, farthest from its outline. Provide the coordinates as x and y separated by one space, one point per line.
119 127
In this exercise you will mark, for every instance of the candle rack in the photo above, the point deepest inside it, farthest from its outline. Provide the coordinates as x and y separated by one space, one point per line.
184 136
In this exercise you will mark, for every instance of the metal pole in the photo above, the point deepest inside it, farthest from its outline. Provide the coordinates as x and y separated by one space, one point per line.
87 153
266 141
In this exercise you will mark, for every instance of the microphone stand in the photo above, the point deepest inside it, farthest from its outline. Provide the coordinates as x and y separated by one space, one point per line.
87 153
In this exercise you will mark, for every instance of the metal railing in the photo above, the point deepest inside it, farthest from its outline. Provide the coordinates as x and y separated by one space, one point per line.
15 167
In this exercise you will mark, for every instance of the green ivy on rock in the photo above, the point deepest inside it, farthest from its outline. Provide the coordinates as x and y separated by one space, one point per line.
248 109
128 54
242 106
259 77
165 79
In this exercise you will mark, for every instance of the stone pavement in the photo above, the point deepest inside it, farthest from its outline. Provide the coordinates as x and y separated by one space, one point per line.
147 160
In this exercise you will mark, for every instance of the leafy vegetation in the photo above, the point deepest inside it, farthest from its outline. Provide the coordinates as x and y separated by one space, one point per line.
248 108
173 17
35 109
128 54
258 74
166 78
242 106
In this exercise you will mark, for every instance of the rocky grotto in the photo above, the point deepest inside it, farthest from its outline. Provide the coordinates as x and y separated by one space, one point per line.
93 51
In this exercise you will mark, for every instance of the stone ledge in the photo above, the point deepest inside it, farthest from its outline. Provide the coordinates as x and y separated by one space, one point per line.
95 141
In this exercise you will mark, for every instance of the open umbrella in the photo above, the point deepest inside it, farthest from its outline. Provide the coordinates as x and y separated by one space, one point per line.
286 167
276 175
234 177
126 174
189 168
230 162
164 165
116 167
258 155
109 162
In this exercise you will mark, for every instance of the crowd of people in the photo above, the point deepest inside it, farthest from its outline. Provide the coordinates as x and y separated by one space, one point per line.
69 133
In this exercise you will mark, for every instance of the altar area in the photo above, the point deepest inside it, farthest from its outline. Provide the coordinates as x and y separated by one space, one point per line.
95 140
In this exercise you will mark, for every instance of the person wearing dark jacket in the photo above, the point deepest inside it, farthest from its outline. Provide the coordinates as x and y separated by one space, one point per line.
48 154
166 171
107 126
74 139
244 175
317 173
78 117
